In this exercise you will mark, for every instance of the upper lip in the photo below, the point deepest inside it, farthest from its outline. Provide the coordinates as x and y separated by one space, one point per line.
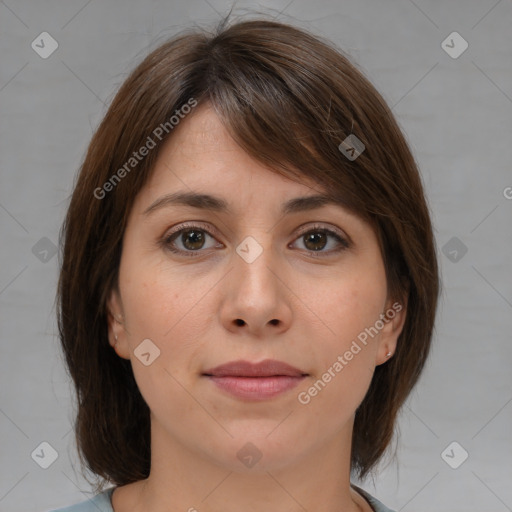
266 368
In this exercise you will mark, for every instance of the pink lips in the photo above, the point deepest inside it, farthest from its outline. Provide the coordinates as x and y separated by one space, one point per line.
255 381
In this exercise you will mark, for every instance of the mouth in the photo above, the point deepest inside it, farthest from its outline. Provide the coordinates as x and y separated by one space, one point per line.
255 381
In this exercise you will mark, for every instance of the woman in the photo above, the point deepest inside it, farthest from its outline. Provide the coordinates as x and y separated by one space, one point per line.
249 279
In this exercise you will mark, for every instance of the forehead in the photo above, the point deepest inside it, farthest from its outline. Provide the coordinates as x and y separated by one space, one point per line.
200 166
201 155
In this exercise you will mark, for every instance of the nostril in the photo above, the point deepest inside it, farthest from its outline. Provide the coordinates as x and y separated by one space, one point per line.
275 321
239 322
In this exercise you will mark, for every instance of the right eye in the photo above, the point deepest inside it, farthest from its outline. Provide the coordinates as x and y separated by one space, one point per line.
188 239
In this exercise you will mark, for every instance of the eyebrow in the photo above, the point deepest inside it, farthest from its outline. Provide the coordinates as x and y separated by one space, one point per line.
217 204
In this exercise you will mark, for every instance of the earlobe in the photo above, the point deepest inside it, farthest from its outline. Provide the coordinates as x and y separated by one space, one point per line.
116 330
117 339
394 320
120 347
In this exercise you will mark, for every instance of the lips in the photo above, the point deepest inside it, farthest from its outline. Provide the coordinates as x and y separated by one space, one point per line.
255 381
266 368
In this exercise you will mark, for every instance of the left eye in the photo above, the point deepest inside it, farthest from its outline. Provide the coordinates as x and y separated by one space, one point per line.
192 239
316 240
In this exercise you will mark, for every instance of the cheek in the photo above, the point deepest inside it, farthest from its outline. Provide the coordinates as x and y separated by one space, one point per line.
159 312
346 350
349 306
346 354
160 305
158 298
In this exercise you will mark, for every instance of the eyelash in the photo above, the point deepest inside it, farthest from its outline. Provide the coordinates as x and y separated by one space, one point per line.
169 238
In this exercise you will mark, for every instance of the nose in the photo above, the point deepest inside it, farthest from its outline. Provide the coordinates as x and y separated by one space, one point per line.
257 298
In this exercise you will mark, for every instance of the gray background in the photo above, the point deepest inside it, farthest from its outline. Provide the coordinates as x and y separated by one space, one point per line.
457 116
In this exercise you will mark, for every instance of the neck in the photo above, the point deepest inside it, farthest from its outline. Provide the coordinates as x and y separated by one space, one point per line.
182 478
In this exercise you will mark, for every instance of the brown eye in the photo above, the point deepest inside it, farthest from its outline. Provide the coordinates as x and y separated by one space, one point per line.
321 242
192 239
315 240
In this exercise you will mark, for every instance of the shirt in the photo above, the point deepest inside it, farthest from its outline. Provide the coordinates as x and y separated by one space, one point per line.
102 503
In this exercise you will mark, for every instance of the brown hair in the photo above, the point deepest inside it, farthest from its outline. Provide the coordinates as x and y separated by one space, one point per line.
288 99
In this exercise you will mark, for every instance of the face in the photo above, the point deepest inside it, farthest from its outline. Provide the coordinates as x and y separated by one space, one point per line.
249 274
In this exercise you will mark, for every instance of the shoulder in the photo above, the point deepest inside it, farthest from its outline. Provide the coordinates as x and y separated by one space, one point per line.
99 503
374 502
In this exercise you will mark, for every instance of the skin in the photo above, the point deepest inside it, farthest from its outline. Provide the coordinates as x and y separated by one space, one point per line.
295 307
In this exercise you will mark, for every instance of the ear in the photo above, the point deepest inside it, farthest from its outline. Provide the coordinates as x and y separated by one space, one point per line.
116 325
393 318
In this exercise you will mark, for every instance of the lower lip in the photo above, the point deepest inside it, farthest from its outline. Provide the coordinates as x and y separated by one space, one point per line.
256 388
